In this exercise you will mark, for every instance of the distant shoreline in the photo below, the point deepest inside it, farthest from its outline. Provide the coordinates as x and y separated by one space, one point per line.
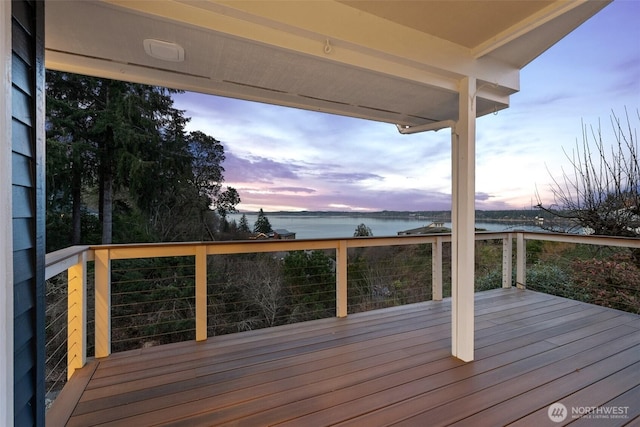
445 216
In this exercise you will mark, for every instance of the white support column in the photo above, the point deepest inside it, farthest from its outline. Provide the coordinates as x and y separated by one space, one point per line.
6 222
463 219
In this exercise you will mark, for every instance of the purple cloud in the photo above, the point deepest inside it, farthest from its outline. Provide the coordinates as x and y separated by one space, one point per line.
348 177
257 169
293 190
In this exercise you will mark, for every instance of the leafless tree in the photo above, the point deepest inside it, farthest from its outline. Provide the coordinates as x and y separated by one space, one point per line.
600 191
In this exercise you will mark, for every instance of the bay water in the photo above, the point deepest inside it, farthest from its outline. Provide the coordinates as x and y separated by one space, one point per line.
327 226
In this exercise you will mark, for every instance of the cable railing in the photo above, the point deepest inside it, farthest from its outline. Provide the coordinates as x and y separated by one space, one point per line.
105 299
598 270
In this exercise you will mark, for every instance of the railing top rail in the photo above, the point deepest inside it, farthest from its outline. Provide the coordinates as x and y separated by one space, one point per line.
62 254
328 241
55 262
148 250
58 261
625 242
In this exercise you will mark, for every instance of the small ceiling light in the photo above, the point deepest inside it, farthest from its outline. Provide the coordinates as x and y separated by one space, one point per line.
165 51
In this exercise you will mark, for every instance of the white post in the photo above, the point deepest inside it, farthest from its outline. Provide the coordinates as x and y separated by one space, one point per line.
463 219
521 262
103 303
507 260
341 279
6 222
77 315
436 270
201 293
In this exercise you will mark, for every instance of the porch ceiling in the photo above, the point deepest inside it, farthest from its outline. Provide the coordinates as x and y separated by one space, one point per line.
391 61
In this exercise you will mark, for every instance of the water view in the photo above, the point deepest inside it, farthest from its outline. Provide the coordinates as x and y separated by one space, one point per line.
324 226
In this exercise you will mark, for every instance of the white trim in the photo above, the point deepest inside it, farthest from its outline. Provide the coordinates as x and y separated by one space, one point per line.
463 158
6 222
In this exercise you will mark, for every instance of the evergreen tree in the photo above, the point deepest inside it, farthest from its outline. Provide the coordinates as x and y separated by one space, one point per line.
362 231
243 227
262 224
127 144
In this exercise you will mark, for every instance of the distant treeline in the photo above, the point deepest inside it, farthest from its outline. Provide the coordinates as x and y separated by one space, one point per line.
445 216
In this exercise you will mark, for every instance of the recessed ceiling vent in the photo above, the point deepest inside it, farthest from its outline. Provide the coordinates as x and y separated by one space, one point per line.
165 51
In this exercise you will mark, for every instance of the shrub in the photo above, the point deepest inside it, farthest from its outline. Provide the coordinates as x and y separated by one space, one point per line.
553 280
491 280
613 283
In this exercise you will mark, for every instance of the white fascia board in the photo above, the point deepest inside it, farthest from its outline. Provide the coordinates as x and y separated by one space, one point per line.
304 27
530 24
6 222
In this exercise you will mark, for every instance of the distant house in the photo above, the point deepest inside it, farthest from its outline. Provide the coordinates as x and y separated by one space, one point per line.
433 228
282 234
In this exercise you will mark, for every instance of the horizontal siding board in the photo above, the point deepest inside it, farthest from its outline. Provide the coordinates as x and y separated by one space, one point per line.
23 329
20 40
27 108
20 103
21 12
22 202
23 301
24 361
20 74
21 138
23 266
21 173
24 415
22 234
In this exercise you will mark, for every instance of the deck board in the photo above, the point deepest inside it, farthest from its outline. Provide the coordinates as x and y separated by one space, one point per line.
383 367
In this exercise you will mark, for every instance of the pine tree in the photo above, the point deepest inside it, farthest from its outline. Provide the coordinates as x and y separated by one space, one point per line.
126 143
262 224
243 227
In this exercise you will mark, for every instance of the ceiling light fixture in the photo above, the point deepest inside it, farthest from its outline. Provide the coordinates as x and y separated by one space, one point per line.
165 51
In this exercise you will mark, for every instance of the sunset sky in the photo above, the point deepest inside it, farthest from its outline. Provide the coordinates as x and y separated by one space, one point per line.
286 159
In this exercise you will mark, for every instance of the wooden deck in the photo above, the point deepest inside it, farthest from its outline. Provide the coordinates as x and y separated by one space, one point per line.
386 367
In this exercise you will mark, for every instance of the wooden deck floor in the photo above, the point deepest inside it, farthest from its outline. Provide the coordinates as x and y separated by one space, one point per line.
387 367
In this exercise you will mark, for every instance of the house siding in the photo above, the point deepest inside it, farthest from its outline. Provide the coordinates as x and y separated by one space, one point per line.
27 180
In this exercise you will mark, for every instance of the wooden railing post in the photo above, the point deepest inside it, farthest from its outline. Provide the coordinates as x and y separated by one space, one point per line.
507 260
77 315
521 261
103 303
341 279
201 293
436 270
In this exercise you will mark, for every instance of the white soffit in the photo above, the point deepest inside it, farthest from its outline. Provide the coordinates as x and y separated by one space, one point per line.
391 61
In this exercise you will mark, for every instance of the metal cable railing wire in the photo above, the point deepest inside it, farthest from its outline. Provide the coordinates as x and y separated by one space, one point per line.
601 275
254 291
56 335
152 302
388 276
